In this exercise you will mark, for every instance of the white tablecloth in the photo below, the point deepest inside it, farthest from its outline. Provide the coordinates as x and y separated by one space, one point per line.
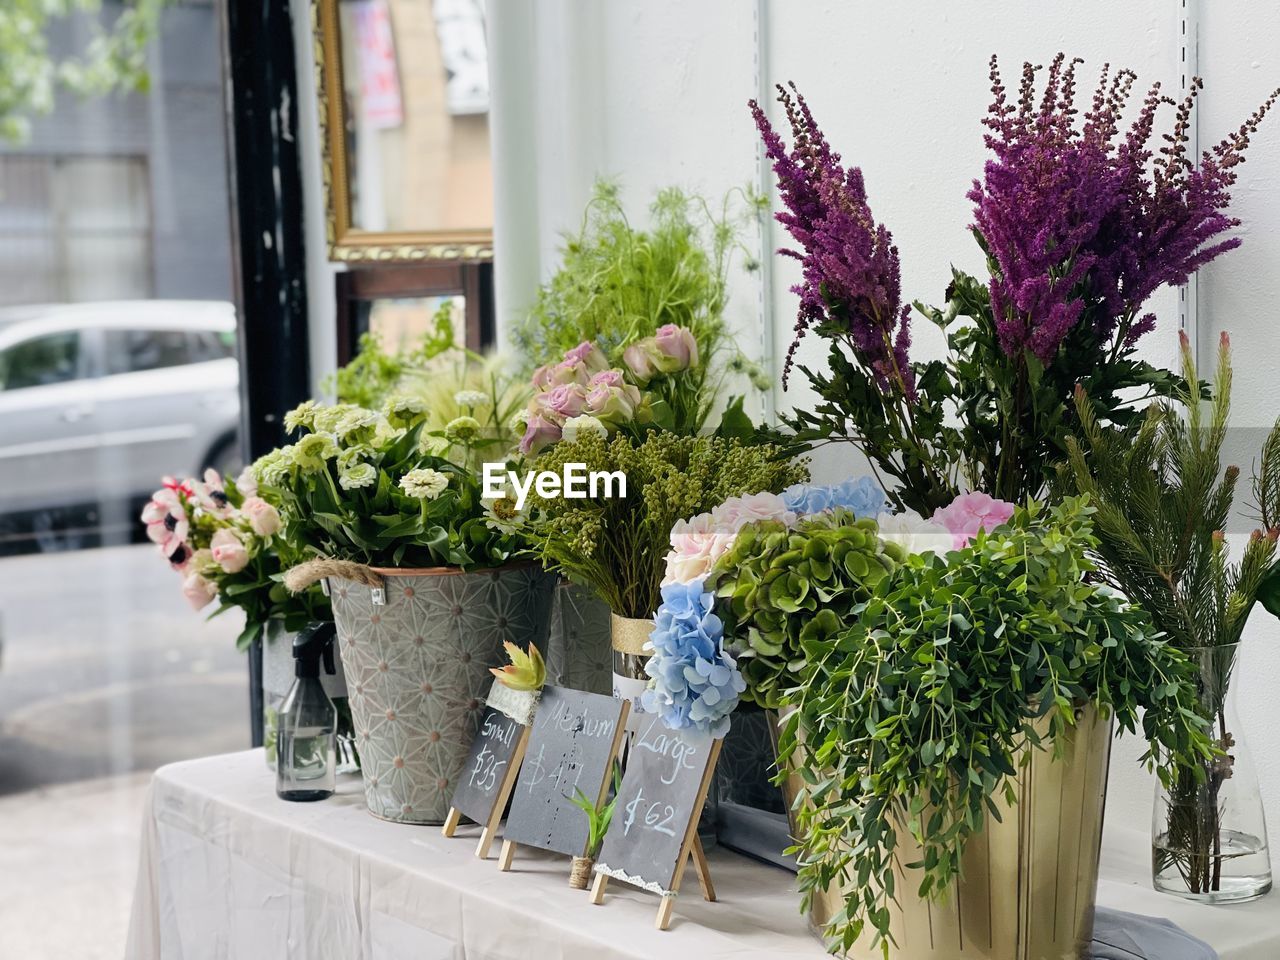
228 872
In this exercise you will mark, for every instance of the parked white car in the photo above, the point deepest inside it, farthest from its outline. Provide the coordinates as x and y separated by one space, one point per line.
99 400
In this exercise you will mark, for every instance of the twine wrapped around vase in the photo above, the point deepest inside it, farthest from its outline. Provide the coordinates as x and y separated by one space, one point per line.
580 875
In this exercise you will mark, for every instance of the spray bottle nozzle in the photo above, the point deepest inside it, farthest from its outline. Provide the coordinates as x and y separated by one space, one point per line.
313 643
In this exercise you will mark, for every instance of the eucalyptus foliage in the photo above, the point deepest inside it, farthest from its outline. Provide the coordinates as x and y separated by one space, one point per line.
781 590
914 717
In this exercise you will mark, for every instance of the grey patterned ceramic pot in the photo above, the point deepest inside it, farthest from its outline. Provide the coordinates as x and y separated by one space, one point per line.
417 667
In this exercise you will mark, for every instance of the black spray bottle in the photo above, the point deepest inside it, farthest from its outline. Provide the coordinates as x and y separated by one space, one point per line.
305 737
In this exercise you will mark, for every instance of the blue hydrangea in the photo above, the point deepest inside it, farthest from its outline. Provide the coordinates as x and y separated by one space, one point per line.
862 495
695 683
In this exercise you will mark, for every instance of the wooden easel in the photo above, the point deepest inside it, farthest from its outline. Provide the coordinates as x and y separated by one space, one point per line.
509 846
490 826
691 849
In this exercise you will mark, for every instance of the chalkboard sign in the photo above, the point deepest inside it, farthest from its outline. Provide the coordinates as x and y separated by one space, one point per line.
573 741
492 764
654 830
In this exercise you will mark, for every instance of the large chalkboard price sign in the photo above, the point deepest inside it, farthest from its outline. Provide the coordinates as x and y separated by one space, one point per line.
654 830
490 772
572 744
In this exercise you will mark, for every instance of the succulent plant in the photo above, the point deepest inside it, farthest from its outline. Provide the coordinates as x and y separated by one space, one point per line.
780 587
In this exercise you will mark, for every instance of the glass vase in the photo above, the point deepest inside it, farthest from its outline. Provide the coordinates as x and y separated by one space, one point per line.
1209 835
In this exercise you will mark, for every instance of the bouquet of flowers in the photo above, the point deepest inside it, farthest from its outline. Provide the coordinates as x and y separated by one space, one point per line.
226 542
376 488
1079 222
613 544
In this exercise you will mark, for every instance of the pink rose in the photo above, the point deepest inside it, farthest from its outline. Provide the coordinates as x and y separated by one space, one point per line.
568 371
677 346
247 483
969 513
229 551
609 378
198 591
542 376
566 399
639 362
589 355
613 404
540 431
695 547
262 516
736 512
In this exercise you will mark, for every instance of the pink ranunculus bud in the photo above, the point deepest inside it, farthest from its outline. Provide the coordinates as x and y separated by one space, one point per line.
262 516
229 551
589 355
639 362
610 378
567 399
736 512
540 431
198 591
677 345
971 512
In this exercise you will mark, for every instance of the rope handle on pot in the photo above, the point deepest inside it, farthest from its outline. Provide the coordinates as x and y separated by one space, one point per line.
304 575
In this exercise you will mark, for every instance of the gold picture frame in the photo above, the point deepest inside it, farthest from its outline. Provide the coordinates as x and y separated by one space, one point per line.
346 242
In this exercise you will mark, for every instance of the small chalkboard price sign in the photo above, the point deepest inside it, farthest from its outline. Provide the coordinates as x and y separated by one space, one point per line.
572 744
494 761
654 830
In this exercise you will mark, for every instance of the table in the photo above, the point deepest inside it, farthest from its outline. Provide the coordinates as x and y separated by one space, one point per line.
230 872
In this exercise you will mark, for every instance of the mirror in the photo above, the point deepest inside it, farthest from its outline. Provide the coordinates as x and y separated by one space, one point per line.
404 108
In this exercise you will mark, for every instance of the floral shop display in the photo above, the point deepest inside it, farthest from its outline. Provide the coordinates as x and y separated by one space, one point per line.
1080 220
225 542
425 581
1164 503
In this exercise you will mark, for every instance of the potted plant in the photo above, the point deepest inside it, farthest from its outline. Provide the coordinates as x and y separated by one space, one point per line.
425 580
598 820
1164 502
966 685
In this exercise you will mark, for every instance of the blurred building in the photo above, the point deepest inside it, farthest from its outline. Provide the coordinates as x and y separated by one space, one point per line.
124 196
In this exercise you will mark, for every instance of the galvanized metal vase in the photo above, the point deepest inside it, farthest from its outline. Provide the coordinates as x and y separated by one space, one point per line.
1028 882
417 654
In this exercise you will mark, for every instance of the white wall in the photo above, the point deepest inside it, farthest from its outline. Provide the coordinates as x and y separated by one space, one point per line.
655 92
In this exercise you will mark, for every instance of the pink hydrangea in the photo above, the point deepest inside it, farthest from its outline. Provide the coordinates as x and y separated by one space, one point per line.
971 512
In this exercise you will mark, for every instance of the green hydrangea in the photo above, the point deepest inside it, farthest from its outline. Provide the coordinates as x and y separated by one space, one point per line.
780 588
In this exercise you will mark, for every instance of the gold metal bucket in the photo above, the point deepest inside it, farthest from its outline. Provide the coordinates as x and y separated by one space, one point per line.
1028 881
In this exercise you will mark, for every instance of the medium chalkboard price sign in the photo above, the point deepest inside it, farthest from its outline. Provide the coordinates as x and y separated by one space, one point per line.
572 744
654 830
492 765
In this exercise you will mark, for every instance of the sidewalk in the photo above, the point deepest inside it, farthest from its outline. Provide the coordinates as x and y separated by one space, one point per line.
68 861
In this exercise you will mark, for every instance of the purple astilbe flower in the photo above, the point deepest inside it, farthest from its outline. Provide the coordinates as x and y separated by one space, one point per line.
851 276
1081 224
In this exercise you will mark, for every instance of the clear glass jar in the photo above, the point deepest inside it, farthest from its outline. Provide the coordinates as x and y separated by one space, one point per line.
1209 834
